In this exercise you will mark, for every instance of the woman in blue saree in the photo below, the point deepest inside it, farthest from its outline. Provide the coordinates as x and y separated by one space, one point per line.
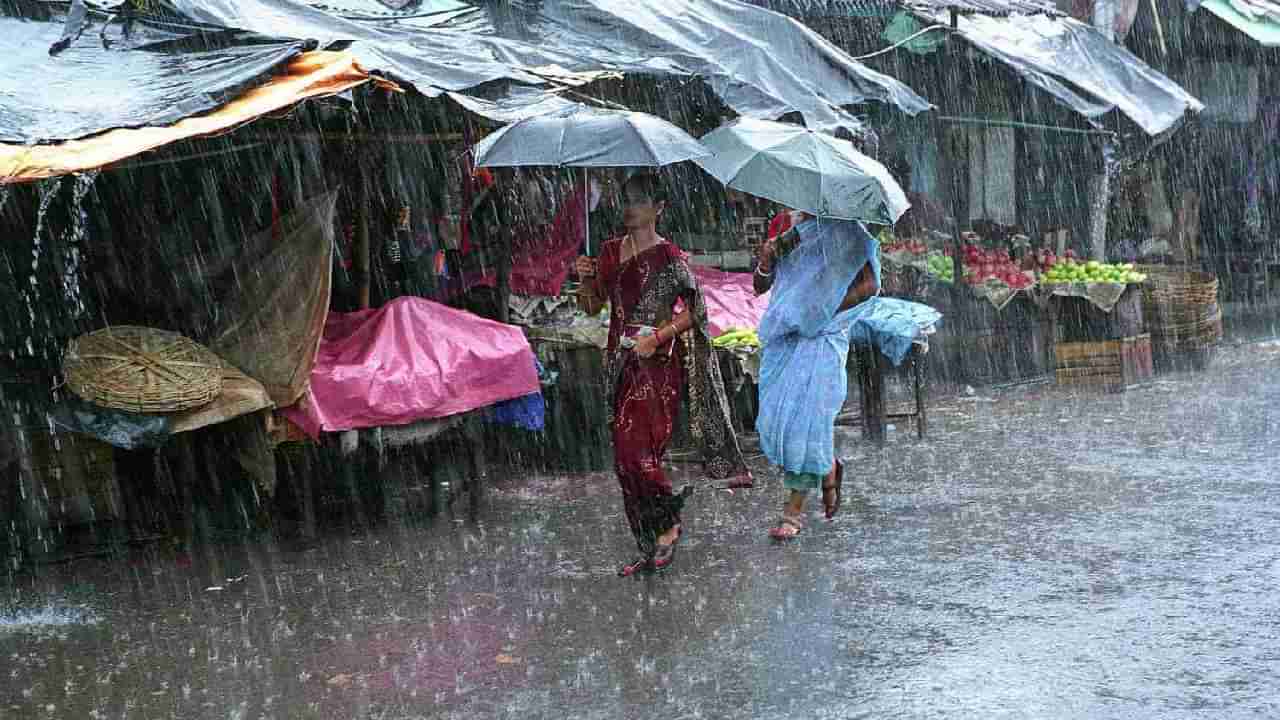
820 273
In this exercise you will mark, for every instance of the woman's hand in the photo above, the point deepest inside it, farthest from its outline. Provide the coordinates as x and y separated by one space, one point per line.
585 266
646 345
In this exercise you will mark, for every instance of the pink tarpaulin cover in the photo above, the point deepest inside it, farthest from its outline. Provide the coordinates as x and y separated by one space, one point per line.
730 300
411 360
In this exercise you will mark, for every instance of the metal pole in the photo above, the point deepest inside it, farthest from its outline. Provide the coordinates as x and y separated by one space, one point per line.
1104 19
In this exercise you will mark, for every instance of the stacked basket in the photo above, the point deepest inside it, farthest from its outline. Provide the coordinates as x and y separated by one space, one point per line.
1183 315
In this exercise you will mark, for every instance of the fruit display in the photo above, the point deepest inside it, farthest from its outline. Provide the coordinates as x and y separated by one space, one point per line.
904 247
737 338
983 264
1043 259
942 267
1092 271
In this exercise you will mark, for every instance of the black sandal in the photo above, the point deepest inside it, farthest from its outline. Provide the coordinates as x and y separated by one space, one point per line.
833 506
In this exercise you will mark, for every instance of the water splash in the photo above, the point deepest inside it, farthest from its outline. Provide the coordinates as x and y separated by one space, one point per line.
48 192
50 616
73 238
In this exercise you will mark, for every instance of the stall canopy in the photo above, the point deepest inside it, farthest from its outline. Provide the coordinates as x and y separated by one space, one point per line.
75 75
1260 21
1071 61
1081 68
760 63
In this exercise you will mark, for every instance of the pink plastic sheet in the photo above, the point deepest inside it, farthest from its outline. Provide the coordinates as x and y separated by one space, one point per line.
411 360
730 300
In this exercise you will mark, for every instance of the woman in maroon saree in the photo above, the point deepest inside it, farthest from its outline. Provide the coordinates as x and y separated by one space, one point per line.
658 346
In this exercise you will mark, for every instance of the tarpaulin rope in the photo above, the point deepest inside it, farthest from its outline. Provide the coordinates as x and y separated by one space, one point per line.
1024 125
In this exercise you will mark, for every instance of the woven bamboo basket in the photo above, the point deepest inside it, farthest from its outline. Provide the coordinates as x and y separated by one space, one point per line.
1180 286
142 370
1181 307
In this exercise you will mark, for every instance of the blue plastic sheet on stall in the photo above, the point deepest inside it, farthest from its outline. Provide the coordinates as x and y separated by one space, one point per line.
892 325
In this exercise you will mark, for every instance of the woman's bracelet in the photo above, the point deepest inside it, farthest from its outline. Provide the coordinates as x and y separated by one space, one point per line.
764 274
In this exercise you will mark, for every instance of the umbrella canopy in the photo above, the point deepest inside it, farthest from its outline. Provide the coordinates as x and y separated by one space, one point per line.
804 170
589 137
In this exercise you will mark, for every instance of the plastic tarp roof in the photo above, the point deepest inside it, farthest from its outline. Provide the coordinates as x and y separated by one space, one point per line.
886 8
1070 60
760 63
311 74
160 76
1260 24
187 57
1079 67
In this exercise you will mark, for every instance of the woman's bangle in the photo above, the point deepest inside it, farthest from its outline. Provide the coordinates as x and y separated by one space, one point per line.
764 274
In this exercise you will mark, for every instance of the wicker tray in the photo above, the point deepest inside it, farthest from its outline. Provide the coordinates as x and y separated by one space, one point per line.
142 370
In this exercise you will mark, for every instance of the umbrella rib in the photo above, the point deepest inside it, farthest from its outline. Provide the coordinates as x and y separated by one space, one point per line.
653 152
564 130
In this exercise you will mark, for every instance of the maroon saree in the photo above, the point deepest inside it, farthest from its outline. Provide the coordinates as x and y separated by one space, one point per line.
645 393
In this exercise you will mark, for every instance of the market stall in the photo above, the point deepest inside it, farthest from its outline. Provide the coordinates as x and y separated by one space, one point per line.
996 331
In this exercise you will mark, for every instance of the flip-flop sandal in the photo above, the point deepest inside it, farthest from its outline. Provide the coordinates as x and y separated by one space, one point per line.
788 527
635 566
833 506
666 554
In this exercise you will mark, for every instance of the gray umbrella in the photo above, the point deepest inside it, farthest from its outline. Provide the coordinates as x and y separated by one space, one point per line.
804 170
588 137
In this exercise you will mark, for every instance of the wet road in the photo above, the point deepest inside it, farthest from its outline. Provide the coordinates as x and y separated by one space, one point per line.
1042 555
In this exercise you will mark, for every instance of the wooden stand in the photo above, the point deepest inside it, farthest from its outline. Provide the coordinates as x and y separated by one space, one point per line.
871 366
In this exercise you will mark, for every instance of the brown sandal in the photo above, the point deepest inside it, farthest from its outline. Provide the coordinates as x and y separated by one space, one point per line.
788 527
832 506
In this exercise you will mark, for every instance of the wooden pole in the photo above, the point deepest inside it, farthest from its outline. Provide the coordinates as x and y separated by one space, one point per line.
364 277
871 380
953 168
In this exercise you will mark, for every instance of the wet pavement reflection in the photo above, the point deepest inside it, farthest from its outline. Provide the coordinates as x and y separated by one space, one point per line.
1042 554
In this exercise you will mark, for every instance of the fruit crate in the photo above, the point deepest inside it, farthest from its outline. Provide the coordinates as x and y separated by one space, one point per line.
1109 365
